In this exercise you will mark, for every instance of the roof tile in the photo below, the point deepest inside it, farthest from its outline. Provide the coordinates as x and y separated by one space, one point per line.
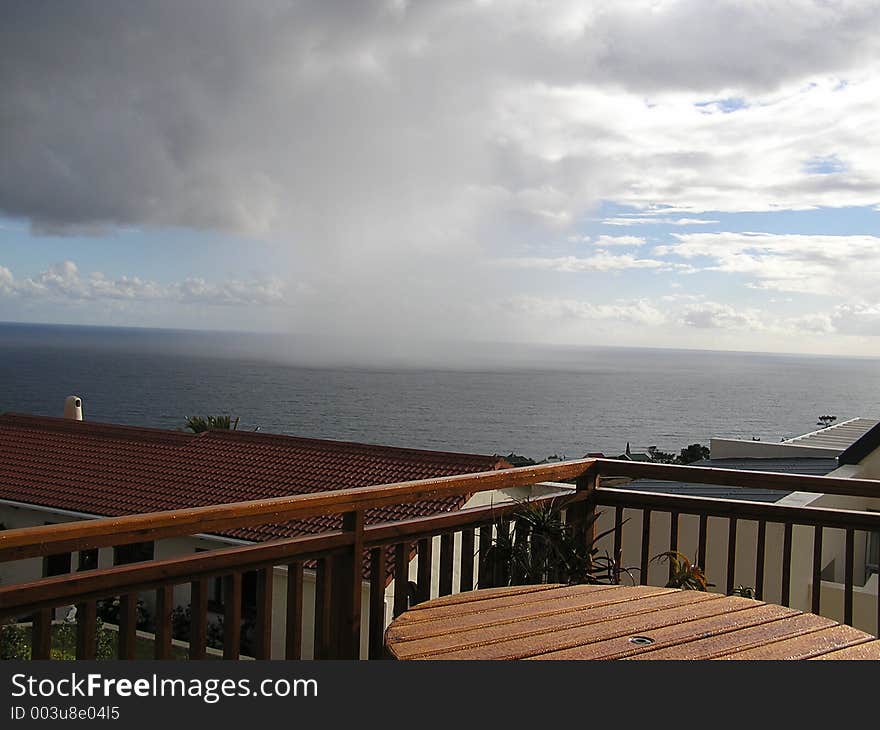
112 470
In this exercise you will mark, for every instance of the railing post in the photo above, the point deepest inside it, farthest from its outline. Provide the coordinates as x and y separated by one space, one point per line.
164 607
348 578
378 579
41 634
86 630
198 619
263 629
581 516
231 616
127 625
293 622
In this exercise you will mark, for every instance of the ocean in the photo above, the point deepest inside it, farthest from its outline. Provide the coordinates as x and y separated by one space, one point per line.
560 401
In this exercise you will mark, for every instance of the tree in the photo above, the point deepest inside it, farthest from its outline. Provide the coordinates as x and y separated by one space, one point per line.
661 457
200 424
826 421
692 453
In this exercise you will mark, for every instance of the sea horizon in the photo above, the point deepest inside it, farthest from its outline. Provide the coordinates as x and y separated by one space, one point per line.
549 402
402 363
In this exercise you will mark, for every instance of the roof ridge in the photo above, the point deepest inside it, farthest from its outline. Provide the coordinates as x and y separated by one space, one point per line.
95 428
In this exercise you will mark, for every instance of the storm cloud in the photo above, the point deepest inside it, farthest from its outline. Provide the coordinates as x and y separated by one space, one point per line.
312 120
395 152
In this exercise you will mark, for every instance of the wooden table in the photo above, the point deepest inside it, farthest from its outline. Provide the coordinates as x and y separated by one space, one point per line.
617 622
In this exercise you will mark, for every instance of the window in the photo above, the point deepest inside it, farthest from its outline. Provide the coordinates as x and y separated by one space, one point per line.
249 592
215 590
872 553
133 553
88 559
58 564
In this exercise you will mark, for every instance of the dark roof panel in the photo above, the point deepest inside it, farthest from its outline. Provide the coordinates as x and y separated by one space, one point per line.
806 466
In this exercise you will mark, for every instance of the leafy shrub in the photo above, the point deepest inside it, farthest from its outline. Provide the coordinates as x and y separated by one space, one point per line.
745 592
181 622
684 574
214 634
108 611
64 641
542 548
200 424
14 642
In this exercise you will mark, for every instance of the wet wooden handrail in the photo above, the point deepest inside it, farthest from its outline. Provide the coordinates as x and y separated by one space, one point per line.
29 542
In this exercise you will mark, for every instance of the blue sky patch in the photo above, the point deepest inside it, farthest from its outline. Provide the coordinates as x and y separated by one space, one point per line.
827 165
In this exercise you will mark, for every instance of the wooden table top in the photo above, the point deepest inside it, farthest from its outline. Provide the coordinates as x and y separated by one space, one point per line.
617 622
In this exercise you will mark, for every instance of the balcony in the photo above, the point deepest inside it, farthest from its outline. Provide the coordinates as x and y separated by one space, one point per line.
331 595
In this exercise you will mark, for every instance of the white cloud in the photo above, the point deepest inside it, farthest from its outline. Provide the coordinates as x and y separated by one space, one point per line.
604 241
713 315
600 261
635 221
639 311
63 282
842 266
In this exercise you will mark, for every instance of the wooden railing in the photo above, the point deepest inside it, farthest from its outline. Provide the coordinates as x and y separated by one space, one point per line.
343 562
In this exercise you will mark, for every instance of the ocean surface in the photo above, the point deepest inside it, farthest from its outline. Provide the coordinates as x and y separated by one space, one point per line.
556 401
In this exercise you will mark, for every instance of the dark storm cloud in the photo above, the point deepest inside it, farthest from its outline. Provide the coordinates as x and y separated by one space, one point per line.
276 115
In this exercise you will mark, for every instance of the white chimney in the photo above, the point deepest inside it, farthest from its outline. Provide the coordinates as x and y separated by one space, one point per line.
73 408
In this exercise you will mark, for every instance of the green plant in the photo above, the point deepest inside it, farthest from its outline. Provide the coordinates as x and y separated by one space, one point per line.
181 622
14 642
542 548
744 591
683 573
108 610
214 633
200 424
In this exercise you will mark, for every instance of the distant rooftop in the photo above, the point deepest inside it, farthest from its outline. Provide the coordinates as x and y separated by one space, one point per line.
804 465
839 436
823 443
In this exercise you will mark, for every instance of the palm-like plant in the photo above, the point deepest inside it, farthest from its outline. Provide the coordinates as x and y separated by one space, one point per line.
683 574
542 548
200 424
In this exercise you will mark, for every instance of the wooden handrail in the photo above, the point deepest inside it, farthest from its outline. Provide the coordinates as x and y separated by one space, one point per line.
92 584
29 542
738 508
737 478
389 533
89 585
341 552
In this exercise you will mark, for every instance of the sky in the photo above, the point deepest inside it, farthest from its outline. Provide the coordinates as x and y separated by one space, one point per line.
659 173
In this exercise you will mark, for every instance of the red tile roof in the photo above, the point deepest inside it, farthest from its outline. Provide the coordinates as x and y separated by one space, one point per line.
111 470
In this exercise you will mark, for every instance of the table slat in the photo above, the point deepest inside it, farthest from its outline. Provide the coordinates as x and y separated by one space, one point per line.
742 637
868 650
804 647
684 638
527 637
440 611
598 622
553 604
